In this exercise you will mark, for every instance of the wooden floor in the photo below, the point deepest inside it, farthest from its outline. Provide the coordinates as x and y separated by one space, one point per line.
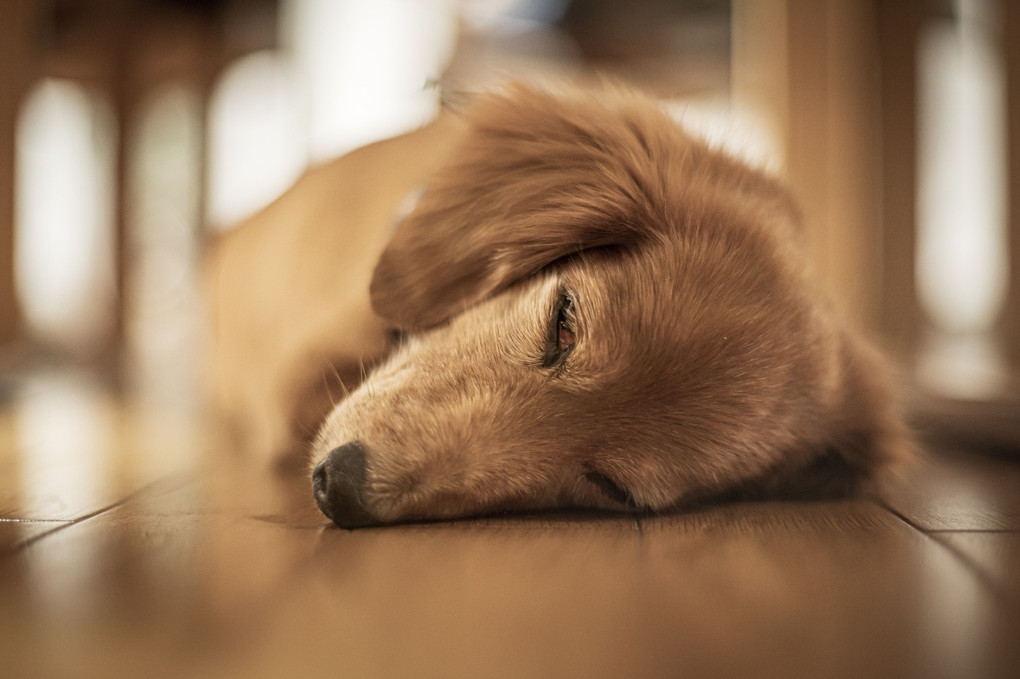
132 545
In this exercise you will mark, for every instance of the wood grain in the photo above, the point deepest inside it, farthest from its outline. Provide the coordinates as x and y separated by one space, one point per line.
958 492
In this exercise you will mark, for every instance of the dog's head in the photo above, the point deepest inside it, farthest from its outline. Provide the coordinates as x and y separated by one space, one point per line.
601 311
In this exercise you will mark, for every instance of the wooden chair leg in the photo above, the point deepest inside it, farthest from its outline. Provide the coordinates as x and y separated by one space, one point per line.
15 74
1011 318
808 68
899 24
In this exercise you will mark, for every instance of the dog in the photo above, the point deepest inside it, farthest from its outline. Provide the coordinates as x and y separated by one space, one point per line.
588 307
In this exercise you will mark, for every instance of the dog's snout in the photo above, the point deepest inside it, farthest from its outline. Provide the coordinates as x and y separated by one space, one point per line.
338 483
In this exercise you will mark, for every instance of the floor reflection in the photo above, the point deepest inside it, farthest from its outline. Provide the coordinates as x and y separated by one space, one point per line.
64 435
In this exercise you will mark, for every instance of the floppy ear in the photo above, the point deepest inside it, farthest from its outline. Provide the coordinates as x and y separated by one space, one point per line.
536 178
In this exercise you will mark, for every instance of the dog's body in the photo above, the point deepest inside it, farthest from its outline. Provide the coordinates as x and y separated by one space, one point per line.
603 312
288 292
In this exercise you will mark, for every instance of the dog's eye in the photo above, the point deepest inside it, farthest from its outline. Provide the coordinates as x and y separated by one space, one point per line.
608 487
396 337
565 337
562 332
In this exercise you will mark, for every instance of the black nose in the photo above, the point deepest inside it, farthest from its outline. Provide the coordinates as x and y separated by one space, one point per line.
338 482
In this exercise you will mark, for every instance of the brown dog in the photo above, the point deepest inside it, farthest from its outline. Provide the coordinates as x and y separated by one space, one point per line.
601 311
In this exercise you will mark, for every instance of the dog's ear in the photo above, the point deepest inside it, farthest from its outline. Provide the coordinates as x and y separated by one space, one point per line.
535 178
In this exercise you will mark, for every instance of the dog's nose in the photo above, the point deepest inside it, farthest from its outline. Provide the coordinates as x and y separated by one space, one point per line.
338 481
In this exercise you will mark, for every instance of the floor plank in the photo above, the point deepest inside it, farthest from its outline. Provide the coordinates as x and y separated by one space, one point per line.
957 491
996 554
216 568
802 579
144 588
13 532
746 590
68 448
832 589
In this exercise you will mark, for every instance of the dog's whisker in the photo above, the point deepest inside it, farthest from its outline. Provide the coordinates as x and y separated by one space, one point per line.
329 392
340 380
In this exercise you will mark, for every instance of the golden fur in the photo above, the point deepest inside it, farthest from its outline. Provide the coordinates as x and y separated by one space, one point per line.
602 311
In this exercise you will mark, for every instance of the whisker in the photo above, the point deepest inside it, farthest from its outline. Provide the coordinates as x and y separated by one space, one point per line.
329 392
343 385
340 381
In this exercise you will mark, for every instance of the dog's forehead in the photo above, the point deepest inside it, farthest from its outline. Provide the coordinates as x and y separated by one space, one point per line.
625 280
662 297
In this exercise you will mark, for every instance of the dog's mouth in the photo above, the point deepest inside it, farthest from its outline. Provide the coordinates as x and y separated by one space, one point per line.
609 488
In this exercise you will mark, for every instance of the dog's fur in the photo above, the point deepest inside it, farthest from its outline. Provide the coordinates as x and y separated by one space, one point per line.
601 311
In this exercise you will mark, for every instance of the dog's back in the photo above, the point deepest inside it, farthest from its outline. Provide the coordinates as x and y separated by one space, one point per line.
287 290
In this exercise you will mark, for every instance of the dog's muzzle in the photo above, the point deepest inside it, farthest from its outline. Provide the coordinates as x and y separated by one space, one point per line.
338 481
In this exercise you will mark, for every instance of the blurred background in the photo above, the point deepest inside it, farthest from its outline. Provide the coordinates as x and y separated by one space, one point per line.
133 131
